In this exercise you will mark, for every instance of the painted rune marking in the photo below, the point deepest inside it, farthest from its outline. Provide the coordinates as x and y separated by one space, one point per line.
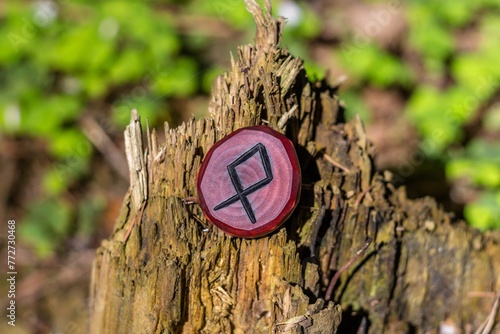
241 194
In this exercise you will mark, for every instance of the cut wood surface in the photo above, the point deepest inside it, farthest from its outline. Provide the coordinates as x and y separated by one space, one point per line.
165 269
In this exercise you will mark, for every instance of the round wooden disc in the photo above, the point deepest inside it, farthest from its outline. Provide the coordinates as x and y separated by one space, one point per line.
249 182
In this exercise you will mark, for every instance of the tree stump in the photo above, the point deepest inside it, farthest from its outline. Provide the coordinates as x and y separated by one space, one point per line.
165 269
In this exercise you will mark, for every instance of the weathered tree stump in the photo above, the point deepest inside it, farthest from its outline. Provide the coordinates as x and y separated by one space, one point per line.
161 272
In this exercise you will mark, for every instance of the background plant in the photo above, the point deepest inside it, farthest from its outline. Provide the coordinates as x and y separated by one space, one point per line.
446 68
64 61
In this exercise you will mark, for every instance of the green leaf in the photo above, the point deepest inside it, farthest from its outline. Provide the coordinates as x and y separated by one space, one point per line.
487 174
44 116
128 67
209 77
492 119
94 84
475 74
70 142
427 35
68 168
355 105
479 149
371 63
55 181
459 14
484 213
149 107
459 167
70 52
314 71
232 11
308 26
180 78
46 224
479 162
88 214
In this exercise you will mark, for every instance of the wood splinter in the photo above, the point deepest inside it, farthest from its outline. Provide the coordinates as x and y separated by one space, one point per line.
336 277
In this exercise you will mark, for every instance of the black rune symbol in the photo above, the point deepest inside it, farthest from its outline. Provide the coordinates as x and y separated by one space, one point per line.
241 194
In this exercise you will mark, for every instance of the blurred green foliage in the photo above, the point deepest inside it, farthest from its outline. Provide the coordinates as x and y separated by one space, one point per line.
440 114
60 59
46 225
376 66
475 81
50 221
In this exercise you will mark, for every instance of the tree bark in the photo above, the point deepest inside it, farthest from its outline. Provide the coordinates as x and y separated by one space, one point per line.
165 269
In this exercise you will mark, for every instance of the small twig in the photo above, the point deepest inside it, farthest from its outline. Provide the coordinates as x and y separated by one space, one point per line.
481 294
336 277
190 200
105 145
335 163
141 213
160 156
363 326
361 195
204 236
292 321
194 200
133 222
487 325
286 116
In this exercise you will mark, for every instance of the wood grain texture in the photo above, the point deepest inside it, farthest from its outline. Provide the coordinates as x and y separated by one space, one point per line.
171 276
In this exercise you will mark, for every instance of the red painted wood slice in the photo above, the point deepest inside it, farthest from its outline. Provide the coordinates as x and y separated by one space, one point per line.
249 182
